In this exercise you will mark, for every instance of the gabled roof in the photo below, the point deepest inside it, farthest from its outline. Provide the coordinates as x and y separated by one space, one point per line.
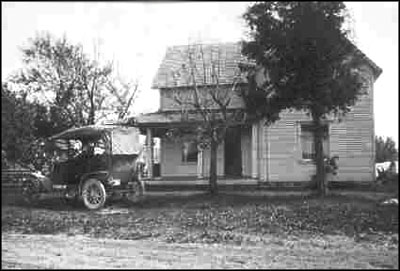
174 69
375 68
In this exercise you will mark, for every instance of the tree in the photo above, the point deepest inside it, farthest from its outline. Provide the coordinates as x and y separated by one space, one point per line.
17 123
385 150
124 95
75 88
59 87
207 102
309 64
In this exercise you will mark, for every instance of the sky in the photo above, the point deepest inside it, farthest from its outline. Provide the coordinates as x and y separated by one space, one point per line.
135 35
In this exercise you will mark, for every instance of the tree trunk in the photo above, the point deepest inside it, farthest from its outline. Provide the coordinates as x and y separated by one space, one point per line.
319 157
91 114
213 166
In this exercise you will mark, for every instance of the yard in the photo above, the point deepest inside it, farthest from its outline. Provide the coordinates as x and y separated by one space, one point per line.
199 231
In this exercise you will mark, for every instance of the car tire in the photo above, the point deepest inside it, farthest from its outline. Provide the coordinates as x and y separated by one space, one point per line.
93 194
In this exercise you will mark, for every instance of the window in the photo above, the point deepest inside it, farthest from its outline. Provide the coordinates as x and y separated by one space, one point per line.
189 151
99 147
307 141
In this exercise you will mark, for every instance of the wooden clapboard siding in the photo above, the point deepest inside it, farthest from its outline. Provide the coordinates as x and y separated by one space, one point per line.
171 160
284 155
168 102
353 140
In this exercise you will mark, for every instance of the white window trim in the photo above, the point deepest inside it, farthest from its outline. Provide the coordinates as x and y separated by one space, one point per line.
306 161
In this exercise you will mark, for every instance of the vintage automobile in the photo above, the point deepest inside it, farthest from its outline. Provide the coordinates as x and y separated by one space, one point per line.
96 163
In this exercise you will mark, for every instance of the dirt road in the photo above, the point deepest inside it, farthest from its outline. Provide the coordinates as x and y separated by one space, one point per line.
61 251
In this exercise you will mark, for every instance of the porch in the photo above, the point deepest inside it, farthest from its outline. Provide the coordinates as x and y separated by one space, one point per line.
182 157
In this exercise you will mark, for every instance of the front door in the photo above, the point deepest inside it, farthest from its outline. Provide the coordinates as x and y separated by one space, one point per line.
233 153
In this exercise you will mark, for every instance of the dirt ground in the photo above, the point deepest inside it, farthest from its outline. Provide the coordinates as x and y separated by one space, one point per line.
198 231
61 251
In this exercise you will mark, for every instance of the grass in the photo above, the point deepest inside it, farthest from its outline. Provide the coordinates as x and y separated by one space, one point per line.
204 219
344 230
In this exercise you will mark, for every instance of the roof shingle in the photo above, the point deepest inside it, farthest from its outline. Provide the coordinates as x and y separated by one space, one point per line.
222 58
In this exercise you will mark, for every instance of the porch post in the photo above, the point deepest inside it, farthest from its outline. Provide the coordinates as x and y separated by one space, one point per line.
199 162
149 146
264 145
254 150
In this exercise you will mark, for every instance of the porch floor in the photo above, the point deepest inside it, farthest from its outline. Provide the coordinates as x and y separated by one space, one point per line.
245 184
192 183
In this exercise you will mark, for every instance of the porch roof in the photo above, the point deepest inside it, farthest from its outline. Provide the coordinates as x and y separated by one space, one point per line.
163 119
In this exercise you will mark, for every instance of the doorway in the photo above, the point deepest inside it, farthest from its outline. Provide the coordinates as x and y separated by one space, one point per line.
233 152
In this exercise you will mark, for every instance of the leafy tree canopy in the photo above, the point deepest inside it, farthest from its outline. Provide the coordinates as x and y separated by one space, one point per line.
308 63
306 55
58 87
17 121
80 90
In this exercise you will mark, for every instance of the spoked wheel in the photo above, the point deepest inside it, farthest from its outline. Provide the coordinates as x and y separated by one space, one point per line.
93 194
136 192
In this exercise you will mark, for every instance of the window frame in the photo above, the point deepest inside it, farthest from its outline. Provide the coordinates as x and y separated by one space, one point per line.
326 140
194 158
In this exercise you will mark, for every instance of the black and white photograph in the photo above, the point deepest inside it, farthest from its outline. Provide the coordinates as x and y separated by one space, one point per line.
199 135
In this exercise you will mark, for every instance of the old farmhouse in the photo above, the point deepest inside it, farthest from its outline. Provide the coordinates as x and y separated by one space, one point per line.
281 152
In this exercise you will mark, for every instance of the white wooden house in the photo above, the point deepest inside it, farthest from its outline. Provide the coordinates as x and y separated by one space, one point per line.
281 152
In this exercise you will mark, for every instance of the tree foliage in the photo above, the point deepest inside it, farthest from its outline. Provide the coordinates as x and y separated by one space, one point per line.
385 150
64 76
17 121
307 60
58 87
77 89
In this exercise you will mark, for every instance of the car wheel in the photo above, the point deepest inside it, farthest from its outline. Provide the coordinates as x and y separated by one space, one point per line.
93 194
